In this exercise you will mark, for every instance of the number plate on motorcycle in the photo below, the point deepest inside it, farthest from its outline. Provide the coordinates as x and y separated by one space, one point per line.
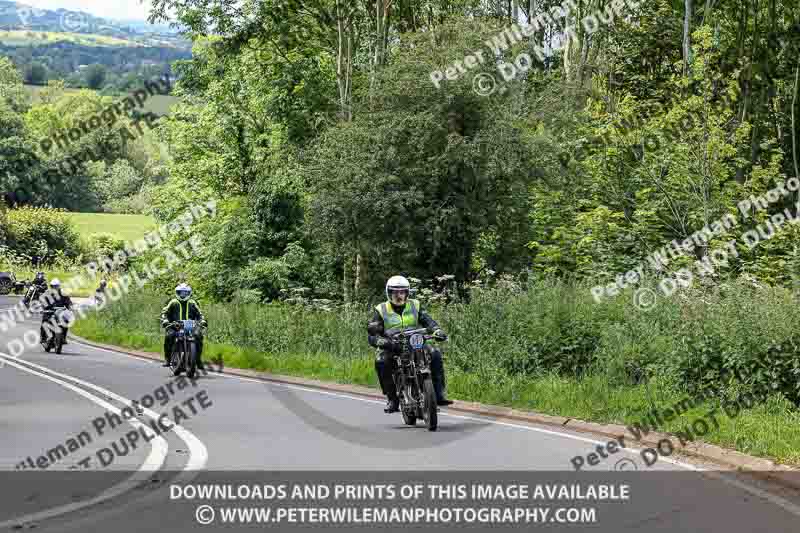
417 341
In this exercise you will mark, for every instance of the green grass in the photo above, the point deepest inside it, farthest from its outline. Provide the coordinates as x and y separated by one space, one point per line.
158 104
33 38
127 227
297 341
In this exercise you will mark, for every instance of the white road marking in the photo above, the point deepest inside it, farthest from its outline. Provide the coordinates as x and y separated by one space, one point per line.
198 451
154 461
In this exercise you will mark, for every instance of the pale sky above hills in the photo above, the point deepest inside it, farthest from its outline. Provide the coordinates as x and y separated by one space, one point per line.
116 9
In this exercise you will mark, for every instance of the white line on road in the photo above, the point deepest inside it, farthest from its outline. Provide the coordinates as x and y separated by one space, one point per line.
154 461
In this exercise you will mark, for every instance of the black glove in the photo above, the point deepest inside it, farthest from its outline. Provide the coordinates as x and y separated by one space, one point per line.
164 324
386 344
440 335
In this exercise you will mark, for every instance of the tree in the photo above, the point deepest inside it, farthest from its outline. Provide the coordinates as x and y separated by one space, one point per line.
36 74
95 76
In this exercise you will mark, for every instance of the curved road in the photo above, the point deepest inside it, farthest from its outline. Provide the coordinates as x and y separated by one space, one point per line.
232 430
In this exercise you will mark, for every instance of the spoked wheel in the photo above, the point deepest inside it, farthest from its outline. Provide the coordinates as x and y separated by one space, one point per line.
176 361
6 286
429 410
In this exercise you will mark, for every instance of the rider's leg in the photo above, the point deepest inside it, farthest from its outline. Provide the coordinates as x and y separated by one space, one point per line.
169 341
384 368
437 373
200 353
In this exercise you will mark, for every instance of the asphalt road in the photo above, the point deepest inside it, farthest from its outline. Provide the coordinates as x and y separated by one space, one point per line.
234 430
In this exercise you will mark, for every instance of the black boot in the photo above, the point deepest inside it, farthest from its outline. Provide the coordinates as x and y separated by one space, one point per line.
392 406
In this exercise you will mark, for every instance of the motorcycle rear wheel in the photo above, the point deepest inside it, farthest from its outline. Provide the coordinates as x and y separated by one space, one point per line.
430 410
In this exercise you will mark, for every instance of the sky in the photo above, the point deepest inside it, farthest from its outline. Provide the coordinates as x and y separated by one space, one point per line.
115 9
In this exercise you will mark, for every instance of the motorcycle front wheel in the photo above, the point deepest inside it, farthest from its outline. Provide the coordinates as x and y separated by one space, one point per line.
429 410
176 361
191 367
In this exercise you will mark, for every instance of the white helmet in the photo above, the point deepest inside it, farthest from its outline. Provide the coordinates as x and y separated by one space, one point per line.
397 283
55 284
183 292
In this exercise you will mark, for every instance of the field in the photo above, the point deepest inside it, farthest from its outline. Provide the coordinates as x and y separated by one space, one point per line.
32 38
158 103
127 227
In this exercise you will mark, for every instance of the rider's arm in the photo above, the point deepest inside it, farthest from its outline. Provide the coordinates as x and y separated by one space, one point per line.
375 329
426 321
165 313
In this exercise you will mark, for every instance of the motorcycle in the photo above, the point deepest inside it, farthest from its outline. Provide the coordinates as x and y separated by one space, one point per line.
413 379
184 351
34 291
64 318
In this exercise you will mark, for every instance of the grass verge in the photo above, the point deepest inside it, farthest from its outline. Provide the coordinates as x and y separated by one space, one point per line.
770 429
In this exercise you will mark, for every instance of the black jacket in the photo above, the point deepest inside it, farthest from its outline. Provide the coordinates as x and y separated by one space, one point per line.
59 300
375 328
177 310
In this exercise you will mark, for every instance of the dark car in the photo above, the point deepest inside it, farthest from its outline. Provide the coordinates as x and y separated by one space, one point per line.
9 283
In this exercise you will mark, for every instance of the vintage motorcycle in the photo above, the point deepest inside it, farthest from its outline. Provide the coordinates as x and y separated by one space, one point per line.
184 351
56 340
412 377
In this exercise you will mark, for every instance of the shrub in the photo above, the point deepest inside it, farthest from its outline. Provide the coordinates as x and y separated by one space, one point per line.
102 245
41 232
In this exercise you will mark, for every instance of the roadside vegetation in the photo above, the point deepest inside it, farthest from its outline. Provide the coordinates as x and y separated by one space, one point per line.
546 346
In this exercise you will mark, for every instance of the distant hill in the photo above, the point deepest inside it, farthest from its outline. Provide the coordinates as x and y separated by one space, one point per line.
62 44
19 16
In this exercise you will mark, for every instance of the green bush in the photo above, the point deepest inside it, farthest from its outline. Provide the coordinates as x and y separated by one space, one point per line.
102 245
42 232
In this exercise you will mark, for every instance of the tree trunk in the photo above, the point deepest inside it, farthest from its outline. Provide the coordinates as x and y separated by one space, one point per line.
687 36
794 132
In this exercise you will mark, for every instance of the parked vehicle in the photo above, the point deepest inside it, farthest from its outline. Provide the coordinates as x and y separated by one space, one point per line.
7 282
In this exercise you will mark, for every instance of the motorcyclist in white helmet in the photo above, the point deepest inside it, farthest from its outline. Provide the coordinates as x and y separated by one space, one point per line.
398 311
52 299
182 307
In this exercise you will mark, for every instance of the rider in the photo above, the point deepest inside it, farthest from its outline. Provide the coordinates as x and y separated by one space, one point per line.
40 282
396 313
55 298
182 307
